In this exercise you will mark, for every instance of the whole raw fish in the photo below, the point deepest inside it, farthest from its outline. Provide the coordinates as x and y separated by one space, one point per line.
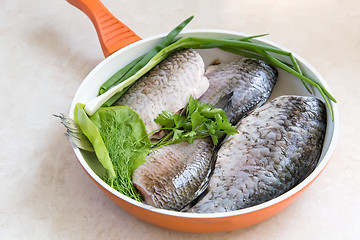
175 175
277 147
167 86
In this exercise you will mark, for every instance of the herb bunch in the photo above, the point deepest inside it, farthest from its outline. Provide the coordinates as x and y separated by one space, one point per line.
200 120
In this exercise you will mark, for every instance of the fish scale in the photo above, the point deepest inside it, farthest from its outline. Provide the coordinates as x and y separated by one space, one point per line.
253 167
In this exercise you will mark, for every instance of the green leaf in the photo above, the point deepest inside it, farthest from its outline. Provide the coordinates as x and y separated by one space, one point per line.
123 129
192 106
179 120
177 134
91 131
225 125
215 139
212 127
190 136
196 119
121 143
165 119
203 128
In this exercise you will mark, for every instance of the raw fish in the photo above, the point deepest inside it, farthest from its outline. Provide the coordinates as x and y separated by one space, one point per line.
167 86
277 147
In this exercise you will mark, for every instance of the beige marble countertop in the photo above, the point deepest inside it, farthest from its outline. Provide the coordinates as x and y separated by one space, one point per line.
48 47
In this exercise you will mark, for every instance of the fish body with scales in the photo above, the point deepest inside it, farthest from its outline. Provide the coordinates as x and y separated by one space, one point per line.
174 175
167 86
240 86
277 147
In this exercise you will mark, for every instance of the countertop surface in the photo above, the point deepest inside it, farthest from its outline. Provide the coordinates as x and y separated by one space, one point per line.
48 47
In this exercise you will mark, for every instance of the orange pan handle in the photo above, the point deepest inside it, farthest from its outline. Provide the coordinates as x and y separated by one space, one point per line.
112 33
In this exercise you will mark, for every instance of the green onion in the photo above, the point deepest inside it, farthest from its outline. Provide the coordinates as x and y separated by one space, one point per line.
242 46
114 79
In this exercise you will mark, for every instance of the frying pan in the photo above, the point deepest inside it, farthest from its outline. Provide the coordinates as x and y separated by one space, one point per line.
120 45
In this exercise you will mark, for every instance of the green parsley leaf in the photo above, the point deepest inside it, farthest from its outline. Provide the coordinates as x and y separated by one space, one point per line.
200 120
165 119
196 120
178 134
179 120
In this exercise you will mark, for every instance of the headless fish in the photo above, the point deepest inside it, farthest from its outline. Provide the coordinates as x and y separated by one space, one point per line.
277 147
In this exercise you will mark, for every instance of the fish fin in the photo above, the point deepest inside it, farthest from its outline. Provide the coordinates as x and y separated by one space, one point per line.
225 102
74 133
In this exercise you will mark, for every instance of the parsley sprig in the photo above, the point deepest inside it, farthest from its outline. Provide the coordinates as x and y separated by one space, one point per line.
199 120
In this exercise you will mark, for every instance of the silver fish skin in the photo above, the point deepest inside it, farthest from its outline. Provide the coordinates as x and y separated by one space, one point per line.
277 147
240 86
167 86
173 176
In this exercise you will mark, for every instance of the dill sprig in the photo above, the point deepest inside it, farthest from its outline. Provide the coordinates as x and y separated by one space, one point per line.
120 141
118 147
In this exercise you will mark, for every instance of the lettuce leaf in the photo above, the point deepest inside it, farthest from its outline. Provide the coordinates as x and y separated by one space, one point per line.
121 143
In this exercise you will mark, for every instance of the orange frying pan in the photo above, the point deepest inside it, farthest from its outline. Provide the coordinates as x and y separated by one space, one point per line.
121 45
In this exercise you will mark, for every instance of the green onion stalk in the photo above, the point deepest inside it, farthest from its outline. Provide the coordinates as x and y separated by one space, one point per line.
115 87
